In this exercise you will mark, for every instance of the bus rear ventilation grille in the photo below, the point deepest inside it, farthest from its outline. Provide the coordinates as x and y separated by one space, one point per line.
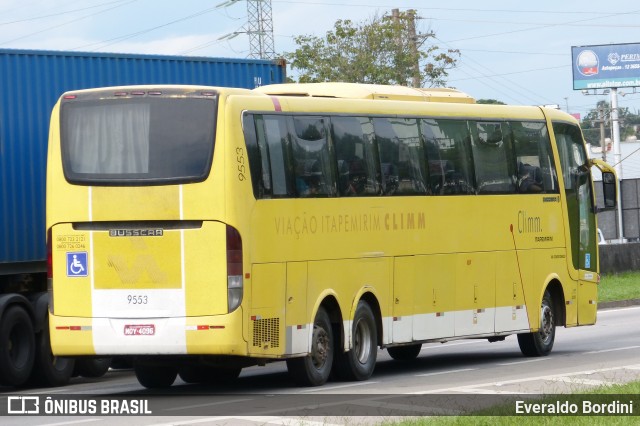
266 331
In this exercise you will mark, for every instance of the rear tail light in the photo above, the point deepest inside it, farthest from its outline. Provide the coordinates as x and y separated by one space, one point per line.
50 270
234 269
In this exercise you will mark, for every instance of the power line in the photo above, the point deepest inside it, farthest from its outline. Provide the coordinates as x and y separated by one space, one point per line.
35 18
67 23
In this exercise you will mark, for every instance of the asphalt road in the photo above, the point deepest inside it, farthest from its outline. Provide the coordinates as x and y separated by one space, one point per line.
444 378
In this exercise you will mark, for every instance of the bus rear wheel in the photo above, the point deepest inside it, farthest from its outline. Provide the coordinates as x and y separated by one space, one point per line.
359 362
209 374
314 369
405 353
92 367
17 346
540 342
155 375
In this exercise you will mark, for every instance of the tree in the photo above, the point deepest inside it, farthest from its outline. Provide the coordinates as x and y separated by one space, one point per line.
591 123
380 51
490 101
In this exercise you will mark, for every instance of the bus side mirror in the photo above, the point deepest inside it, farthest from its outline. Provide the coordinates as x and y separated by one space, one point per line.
609 190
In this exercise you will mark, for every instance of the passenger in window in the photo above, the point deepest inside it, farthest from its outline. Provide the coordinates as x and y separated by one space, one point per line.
529 178
356 183
301 185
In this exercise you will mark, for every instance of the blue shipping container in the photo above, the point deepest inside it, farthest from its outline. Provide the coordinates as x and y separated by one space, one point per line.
30 84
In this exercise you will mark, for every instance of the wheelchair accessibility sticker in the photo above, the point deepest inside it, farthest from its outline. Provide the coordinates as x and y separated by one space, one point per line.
77 264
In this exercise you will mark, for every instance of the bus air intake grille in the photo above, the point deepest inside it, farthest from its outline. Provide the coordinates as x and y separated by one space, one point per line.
266 331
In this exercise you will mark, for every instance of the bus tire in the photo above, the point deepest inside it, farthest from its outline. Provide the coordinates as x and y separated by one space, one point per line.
48 369
540 342
17 346
92 367
209 374
315 368
405 353
359 362
155 376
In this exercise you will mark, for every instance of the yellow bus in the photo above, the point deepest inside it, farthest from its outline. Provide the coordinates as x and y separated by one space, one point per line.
202 230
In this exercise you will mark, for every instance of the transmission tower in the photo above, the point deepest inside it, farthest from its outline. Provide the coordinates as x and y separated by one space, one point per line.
260 29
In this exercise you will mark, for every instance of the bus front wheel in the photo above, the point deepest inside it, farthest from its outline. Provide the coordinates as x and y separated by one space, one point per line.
540 342
314 369
359 362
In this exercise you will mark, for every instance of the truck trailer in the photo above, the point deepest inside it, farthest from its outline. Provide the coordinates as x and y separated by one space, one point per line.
31 81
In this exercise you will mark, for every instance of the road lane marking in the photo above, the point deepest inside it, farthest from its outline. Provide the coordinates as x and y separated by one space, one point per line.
445 372
613 349
525 379
527 361
325 388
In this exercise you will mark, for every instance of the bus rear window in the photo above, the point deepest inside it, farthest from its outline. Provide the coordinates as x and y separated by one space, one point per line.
143 140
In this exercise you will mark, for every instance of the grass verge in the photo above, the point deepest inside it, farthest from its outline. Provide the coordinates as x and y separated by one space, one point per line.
623 286
503 415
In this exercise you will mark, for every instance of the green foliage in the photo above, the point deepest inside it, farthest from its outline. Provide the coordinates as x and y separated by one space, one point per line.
378 51
591 126
623 286
490 101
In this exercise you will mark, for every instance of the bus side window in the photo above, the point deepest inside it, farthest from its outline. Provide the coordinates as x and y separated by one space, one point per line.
353 139
536 171
312 158
273 144
258 162
402 156
447 147
493 158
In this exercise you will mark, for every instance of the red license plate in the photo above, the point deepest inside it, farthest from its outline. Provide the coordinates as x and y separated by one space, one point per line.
139 330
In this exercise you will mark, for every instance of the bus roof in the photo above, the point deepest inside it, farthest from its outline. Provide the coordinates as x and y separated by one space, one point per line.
366 91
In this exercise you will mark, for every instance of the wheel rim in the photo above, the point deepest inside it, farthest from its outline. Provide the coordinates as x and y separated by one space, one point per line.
362 341
321 346
546 323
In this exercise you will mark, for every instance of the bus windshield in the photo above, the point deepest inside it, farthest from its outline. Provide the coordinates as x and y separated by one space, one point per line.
137 140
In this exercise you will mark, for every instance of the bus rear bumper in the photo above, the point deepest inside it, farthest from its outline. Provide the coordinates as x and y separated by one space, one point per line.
205 335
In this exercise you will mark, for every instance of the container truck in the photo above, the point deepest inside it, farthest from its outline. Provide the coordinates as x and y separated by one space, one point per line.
31 81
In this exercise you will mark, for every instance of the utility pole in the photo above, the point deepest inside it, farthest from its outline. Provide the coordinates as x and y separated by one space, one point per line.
603 143
416 79
413 46
615 135
260 29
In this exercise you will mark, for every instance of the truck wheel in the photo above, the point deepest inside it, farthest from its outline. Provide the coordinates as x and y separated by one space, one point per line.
17 346
154 376
405 353
359 362
314 369
540 343
48 369
92 367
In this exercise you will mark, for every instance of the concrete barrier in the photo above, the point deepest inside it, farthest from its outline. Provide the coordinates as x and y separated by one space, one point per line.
619 258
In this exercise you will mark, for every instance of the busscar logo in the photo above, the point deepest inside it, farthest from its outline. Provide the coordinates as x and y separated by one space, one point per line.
23 405
136 232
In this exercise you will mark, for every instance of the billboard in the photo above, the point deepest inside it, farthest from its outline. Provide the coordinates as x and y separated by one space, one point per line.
606 66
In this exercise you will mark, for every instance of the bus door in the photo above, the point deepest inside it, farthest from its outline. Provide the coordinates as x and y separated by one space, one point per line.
581 217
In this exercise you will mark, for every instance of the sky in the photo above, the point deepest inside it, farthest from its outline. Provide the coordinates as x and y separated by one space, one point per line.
513 51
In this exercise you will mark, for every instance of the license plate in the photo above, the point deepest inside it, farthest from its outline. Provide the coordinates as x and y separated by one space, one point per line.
139 330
